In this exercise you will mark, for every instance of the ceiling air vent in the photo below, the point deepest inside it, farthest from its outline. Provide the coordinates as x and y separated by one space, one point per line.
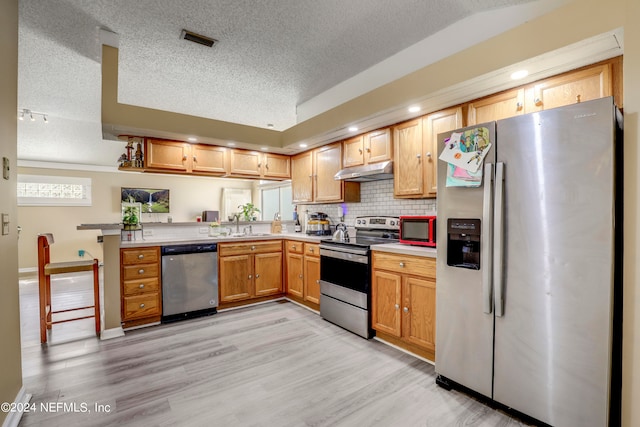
197 38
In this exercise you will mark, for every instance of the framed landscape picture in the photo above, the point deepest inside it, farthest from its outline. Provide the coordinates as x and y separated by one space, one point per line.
152 200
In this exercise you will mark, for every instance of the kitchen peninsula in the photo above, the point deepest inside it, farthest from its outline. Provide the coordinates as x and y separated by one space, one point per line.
156 235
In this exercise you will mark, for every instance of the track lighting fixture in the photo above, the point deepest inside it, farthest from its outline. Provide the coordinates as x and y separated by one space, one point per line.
28 113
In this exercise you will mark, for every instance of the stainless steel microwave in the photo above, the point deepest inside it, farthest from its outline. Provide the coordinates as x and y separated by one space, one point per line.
418 230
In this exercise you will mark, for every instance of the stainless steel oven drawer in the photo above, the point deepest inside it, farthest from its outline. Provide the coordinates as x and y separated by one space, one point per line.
347 295
345 315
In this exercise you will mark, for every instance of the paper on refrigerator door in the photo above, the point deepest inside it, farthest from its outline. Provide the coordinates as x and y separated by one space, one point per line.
467 149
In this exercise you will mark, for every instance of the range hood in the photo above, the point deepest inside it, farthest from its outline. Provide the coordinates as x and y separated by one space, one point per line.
372 172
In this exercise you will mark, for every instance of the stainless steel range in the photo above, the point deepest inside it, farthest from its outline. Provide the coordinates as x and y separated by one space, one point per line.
345 273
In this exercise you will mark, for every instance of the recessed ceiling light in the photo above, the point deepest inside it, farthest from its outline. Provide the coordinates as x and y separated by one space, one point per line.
353 128
303 145
414 109
192 139
270 125
264 148
520 74
231 144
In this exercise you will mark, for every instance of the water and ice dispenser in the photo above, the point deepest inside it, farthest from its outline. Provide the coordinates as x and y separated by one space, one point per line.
463 243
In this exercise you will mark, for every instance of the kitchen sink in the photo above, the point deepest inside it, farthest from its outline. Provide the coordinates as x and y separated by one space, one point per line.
249 234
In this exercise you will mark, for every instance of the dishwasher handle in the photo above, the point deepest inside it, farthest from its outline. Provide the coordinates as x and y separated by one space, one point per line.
189 249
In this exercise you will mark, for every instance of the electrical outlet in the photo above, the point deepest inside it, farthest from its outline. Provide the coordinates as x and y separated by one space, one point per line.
203 230
81 253
147 232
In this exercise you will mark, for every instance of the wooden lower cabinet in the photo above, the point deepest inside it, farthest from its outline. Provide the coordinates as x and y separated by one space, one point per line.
403 301
303 272
140 286
312 273
249 270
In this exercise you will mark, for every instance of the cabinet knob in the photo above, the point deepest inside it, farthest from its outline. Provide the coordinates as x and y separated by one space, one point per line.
578 98
259 164
184 158
300 276
519 106
402 264
368 150
141 286
253 248
318 281
141 271
397 306
419 156
257 276
311 249
140 256
360 150
293 247
537 101
266 166
406 309
428 154
195 159
142 305
250 276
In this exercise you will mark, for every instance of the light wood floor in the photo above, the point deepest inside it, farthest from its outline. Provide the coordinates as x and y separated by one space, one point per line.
275 364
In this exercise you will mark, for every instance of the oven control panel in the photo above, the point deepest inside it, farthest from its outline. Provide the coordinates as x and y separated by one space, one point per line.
378 222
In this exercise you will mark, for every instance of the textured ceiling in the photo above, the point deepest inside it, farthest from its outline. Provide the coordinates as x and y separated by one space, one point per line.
272 56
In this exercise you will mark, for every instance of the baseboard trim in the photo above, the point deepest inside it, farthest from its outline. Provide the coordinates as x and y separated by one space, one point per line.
13 418
431 362
108 334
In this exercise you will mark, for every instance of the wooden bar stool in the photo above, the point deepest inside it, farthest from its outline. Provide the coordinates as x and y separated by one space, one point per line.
45 269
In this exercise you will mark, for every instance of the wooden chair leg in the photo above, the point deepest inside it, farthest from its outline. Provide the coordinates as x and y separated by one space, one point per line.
43 309
96 295
48 307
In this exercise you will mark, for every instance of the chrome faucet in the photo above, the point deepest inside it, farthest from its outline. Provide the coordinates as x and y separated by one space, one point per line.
236 217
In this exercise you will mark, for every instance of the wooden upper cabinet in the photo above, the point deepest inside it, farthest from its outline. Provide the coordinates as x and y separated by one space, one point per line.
312 175
276 166
354 151
168 155
245 163
570 88
496 107
432 125
302 177
408 158
209 159
368 148
183 157
327 162
575 86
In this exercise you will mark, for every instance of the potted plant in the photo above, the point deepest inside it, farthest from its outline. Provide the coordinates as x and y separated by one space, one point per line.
248 211
130 217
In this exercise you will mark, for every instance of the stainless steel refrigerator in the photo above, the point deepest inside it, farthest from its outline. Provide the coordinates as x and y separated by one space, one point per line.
526 267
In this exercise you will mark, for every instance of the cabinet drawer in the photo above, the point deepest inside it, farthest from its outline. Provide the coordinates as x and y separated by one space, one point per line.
142 286
140 256
312 249
141 306
140 271
226 249
407 264
294 247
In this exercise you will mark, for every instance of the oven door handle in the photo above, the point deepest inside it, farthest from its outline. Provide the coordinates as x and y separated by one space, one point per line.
345 256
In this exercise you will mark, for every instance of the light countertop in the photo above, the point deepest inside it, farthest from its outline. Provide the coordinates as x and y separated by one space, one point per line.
399 248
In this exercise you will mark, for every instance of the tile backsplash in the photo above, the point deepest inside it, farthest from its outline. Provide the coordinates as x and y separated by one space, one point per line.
376 198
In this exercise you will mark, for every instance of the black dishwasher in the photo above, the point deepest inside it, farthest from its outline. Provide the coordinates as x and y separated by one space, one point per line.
189 281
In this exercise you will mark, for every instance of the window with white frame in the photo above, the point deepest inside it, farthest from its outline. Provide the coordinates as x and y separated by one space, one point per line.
45 190
276 197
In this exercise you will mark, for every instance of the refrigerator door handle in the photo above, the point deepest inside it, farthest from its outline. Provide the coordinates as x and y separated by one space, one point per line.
498 240
486 249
